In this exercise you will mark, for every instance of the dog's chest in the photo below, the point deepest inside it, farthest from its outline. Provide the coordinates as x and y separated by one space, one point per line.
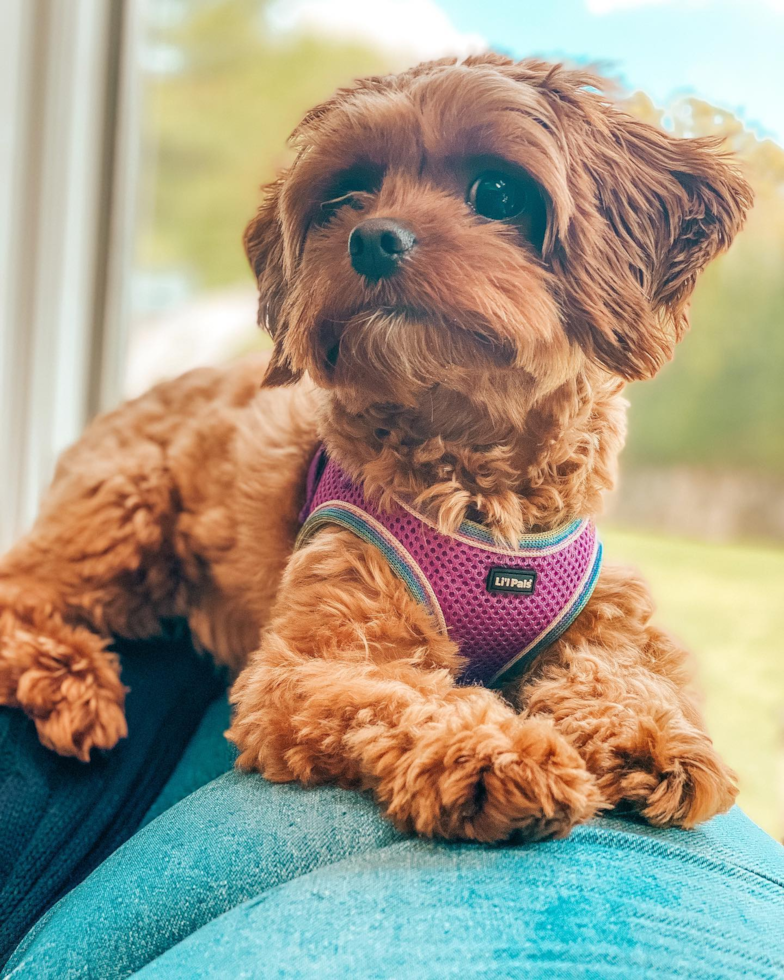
501 605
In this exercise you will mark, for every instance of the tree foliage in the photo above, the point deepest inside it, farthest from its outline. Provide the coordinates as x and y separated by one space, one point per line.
218 127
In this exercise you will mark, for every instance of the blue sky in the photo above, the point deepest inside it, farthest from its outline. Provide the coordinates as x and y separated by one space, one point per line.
727 51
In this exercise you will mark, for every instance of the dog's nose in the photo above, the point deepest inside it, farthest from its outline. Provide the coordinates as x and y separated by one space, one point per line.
377 245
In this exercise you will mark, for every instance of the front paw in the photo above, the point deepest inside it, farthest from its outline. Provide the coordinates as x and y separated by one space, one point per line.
691 790
489 780
672 777
74 695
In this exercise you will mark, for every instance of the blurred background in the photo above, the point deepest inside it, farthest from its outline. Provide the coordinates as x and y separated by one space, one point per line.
133 140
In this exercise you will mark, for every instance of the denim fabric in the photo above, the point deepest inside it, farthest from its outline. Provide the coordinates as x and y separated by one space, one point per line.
603 904
330 890
228 842
247 879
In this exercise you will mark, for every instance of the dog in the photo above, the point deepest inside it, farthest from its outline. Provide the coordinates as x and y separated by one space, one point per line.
461 270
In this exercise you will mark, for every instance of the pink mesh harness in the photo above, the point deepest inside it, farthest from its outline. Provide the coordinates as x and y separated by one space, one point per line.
502 606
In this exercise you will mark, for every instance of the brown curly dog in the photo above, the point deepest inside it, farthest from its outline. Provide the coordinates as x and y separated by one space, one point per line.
534 250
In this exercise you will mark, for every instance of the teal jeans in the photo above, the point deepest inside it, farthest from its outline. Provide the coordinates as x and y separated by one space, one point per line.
246 879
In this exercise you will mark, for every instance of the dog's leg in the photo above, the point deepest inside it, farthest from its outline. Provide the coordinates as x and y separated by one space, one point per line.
96 562
353 684
146 519
616 687
62 676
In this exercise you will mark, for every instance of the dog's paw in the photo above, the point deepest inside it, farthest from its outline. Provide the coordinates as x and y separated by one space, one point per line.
72 691
76 726
490 782
690 790
672 776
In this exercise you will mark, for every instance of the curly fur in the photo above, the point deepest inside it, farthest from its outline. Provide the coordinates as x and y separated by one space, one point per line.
484 379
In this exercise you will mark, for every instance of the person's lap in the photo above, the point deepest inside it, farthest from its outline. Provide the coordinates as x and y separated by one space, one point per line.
244 878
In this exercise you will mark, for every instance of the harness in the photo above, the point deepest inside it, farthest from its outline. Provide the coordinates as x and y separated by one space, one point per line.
502 606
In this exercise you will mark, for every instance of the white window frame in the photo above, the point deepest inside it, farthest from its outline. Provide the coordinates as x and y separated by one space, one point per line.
69 147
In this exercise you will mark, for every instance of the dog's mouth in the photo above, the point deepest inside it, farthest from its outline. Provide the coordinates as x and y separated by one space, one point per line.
330 335
332 331
341 346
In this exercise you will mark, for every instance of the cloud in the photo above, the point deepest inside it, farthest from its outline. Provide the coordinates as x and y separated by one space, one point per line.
417 27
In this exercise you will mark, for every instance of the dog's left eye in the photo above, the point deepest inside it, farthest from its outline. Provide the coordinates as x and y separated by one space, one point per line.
497 196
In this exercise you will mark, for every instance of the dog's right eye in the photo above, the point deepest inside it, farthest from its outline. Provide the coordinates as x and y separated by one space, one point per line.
352 187
497 196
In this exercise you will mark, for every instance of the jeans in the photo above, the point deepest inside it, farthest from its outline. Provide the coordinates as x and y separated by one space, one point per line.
248 879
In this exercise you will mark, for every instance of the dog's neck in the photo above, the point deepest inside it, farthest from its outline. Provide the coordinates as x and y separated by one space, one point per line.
514 467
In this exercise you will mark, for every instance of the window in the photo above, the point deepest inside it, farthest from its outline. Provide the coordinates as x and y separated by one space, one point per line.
65 164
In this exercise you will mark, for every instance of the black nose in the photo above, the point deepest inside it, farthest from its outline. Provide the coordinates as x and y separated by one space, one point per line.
377 245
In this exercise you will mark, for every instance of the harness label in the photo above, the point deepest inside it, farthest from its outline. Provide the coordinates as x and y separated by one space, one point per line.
520 581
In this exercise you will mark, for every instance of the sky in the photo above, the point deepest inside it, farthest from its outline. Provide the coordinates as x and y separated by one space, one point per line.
730 52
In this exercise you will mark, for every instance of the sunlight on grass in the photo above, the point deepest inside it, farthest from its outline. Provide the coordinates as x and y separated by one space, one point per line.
725 603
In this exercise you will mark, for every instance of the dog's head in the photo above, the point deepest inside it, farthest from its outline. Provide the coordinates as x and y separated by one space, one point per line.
458 221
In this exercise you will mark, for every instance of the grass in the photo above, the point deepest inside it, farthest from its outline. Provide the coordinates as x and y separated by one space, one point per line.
725 603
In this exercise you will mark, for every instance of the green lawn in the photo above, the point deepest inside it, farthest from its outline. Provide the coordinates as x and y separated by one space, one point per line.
727 603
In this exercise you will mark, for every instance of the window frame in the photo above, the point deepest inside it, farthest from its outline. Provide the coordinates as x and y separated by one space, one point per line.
69 149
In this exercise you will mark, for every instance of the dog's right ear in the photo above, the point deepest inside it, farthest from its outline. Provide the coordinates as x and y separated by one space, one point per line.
263 241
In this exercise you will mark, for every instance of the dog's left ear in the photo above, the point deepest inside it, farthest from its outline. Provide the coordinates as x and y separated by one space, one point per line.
263 241
667 206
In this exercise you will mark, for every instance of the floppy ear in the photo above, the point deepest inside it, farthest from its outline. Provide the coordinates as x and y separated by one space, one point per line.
263 241
667 206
